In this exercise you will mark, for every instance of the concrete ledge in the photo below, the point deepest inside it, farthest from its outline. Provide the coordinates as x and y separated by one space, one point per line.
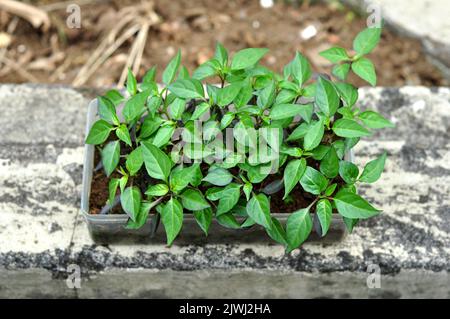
42 232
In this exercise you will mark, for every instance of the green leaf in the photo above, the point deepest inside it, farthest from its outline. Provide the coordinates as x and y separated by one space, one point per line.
226 120
324 214
135 106
187 88
292 173
365 69
276 232
248 187
172 219
131 83
157 190
299 132
150 126
335 54
183 73
330 189
171 69
367 40
313 181
181 177
258 208
374 120
107 110
204 218
298 68
194 200
329 166
200 109
341 71
327 98
227 94
314 135
219 177
153 104
348 171
150 75
163 135
134 161
372 171
99 132
176 108
112 189
157 163
123 134
349 128
228 198
141 219
298 228
247 57
350 223
228 221
123 182
131 201
351 205
110 157
282 111
221 54
114 96
347 92
244 95
203 71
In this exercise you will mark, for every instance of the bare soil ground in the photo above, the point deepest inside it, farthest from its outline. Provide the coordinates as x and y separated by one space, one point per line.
194 26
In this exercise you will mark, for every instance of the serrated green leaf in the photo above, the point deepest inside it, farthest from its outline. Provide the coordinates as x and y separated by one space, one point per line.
298 68
372 171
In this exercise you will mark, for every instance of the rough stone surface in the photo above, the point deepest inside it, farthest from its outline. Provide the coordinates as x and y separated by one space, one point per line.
425 20
42 232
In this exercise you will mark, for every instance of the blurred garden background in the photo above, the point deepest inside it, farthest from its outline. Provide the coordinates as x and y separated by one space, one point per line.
43 40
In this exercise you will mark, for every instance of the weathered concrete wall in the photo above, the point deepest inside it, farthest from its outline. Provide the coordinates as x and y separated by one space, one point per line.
41 232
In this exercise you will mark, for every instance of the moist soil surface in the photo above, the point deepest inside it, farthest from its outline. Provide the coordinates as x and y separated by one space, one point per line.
194 26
